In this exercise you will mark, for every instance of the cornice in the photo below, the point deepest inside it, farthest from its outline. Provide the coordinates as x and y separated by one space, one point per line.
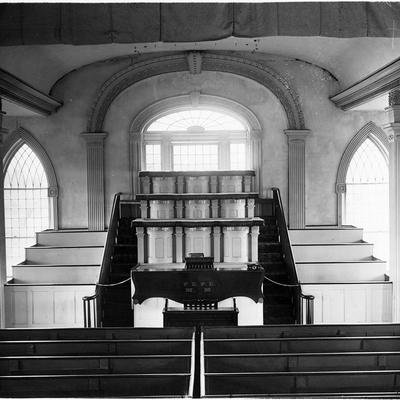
19 92
380 82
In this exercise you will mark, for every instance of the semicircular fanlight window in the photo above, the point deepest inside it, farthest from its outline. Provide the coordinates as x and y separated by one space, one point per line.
197 120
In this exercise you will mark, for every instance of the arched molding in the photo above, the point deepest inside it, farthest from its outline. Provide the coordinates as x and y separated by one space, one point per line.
379 138
14 141
169 105
262 74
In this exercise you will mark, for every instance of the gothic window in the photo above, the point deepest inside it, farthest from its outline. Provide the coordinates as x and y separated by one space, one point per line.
26 203
196 139
367 195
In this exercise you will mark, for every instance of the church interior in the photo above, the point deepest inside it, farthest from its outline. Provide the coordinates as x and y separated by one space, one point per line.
200 200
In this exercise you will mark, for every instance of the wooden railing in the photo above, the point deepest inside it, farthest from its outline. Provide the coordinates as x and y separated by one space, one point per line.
92 305
304 304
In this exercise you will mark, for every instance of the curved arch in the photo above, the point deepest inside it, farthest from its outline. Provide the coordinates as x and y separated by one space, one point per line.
165 106
13 143
371 131
210 62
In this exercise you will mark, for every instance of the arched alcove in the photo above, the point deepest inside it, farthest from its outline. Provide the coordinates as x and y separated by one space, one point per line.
193 101
257 72
378 137
13 143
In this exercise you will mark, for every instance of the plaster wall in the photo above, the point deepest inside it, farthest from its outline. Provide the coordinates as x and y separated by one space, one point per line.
331 129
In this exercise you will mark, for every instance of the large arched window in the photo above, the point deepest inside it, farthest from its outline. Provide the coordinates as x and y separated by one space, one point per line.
367 194
27 204
196 139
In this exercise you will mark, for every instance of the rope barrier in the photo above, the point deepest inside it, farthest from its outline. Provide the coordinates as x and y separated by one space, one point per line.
113 284
282 284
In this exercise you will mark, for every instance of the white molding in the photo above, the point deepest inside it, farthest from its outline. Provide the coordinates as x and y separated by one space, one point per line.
17 91
376 84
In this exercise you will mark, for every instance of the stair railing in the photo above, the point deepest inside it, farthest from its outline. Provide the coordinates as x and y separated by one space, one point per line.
92 305
304 304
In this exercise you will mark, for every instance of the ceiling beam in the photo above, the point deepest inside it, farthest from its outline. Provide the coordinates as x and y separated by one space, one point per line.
19 92
374 85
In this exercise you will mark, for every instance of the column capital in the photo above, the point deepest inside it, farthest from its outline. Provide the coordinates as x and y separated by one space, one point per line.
94 137
297 134
392 131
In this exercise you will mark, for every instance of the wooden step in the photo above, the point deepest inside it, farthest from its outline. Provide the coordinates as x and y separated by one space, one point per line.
83 255
369 270
325 234
71 237
56 273
332 252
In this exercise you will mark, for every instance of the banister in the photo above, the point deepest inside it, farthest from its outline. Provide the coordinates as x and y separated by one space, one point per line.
288 259
95 302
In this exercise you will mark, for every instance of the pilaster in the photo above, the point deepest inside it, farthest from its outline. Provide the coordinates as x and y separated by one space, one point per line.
254 232
392 130
178 244
140 244
297 177
95 179
217 243
3 265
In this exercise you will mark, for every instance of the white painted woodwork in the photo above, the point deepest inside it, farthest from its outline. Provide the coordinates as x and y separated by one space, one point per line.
71 238
197 184
297 176
332 252
254 232
230 184
64 255
217 243
163 184
159 245
41 306
198 240
325 235
140 244
197 209
161 209
351 303
233 208
236 244
373 270
178 244
56 274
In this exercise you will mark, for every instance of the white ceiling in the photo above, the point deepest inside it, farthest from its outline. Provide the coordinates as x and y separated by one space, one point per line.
349 60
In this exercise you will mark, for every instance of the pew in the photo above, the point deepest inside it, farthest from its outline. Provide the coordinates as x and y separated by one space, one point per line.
102 362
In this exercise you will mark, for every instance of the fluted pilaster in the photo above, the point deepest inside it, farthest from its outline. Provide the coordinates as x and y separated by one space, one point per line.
392 130
297 177
95 179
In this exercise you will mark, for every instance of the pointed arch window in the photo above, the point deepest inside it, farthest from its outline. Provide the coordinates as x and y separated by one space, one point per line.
26 203
367 195
196 139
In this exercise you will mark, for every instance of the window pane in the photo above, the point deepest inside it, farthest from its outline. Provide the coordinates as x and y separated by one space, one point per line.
367 196
196 121
195 157
153 157
238 156
26 205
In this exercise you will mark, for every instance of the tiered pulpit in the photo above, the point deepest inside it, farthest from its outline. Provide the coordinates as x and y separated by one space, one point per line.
204 212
